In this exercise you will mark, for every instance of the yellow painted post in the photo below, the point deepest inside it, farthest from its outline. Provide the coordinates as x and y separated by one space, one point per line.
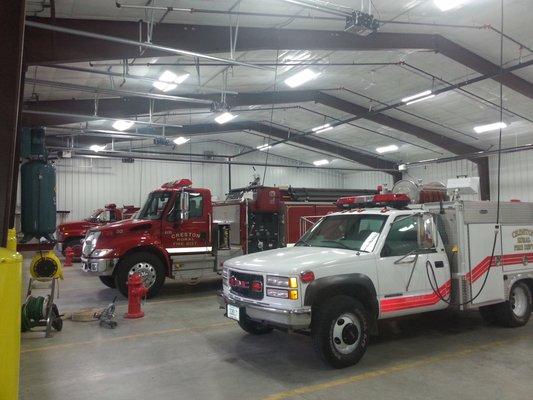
10 299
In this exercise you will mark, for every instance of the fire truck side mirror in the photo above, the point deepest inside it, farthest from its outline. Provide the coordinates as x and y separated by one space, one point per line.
184 205
427 232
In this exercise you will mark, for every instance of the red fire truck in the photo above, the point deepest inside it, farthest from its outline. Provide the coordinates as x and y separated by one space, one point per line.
72 233
181 233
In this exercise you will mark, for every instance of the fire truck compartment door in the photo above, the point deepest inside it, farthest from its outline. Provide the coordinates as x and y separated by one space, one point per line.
480 242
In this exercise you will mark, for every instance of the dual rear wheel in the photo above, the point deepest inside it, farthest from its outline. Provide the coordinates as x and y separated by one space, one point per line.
512 313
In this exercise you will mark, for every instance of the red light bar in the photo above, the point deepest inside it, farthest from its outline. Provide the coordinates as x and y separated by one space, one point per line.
177 184
395 200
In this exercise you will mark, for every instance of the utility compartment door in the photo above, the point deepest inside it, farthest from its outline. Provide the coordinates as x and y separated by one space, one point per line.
480 242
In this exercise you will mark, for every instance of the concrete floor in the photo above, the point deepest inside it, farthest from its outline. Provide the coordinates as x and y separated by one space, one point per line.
185 349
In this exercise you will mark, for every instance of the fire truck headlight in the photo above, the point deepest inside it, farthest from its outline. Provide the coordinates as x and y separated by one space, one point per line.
101 252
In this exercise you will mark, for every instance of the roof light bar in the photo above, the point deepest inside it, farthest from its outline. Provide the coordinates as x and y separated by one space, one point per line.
416 96
225 117
301 77
387 149
490 127
318 163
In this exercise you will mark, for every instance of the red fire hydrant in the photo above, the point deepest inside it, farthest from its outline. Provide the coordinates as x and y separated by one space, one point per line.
69 255
136 291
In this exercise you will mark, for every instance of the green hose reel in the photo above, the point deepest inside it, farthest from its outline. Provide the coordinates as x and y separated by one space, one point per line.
37 310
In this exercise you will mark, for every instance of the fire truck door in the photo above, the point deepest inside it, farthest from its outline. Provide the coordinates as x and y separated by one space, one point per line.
404 287
187 233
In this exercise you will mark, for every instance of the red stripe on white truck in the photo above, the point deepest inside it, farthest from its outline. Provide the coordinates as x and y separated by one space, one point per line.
505 259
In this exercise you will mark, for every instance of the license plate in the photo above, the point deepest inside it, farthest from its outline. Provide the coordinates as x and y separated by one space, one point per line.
233 312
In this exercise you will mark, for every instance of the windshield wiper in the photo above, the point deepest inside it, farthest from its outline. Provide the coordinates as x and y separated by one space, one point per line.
334 241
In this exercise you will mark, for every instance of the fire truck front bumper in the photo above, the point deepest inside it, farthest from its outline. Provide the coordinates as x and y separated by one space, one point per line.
98 266
294 319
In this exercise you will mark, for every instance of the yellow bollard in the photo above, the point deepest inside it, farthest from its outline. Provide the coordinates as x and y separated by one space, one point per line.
10 298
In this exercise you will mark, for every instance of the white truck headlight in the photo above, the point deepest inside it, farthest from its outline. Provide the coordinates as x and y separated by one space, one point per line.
282 281
282 293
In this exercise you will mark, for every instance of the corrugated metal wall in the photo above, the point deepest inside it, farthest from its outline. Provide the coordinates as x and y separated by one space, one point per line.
367 180
516 176
84 184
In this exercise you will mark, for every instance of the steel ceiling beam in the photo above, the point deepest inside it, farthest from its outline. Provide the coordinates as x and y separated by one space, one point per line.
46 47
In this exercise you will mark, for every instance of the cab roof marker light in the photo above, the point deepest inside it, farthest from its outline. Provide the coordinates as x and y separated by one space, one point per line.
301 77
387 149
490 127
416 96
420 99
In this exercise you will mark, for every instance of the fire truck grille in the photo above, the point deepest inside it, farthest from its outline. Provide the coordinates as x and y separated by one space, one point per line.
246 285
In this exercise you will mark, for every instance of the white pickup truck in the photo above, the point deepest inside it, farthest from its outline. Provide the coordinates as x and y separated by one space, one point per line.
381 258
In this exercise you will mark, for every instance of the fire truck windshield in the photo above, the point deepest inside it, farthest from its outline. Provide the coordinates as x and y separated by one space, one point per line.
352 232
155 205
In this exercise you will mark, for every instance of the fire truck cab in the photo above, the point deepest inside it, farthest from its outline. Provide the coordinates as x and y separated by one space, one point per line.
382 257
181 233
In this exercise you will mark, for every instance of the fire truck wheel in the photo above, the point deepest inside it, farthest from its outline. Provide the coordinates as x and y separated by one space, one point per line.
253 327
340 331
148 265
517 310
109 281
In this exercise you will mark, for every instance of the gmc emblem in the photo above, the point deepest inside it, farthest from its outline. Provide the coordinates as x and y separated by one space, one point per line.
234 282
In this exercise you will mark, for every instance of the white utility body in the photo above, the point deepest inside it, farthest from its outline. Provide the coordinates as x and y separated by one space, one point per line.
363 264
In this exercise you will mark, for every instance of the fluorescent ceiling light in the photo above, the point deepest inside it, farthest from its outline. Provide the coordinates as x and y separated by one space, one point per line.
225 117
445 5
181 140
322 128
169 81
96 148
164 87
402 167
387 149
301 77
420 99
122 125
264 147
416 96
490 127
321 162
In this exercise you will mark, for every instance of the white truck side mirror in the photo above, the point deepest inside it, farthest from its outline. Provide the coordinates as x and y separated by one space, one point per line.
427 232
184 205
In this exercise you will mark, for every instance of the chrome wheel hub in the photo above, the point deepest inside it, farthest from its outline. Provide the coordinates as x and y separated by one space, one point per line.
519 301
146 271
346 333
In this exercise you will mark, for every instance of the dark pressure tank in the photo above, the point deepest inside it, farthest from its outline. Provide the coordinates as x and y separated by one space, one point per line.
38 200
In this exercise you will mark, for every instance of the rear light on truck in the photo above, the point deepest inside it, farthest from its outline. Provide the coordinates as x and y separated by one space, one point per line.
307 276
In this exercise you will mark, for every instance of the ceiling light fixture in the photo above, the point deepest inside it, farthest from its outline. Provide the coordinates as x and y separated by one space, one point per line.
416 96
420 99
490 127
96 148
169 81
122 125
446 5
181 140
322 128
301 77
321 162
264 147
387 149
225 117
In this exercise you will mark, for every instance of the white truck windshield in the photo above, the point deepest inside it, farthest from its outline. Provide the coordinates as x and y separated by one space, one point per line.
353 232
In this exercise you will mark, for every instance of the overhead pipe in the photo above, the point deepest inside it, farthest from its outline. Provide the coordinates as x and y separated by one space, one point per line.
171 50
115 92
261 63
135 77
97 118
121 154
